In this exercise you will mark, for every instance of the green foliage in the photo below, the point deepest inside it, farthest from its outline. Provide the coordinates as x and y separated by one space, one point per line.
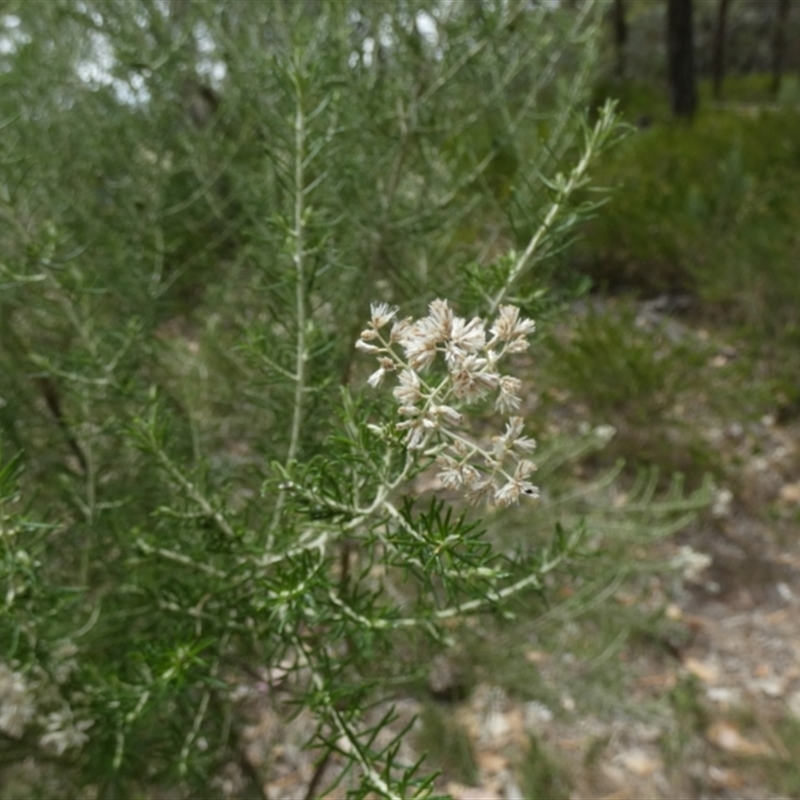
541 778
621 369
636 370
200 203
712 209
447 744
784 777
691 718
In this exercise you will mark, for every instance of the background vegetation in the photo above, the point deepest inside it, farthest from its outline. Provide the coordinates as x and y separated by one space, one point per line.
199 202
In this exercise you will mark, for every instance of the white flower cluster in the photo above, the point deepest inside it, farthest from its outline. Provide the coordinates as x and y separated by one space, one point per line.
430 406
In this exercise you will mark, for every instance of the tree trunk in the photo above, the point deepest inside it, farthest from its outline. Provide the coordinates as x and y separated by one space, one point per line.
779 46
718 65
680 49
620 38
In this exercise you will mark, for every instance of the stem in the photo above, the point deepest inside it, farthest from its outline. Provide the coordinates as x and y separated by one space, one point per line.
193 492
347 741
179 558
564 189
299 243
313 785
298 235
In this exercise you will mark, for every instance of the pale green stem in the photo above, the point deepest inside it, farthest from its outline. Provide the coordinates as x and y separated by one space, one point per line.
556 207
128 720
535 579
179 558
348 741
406 526
564 189
201 713
298 235
91 493
183 763
194 493
299 244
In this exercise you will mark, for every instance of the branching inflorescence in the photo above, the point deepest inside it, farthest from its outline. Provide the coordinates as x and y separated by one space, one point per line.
429 402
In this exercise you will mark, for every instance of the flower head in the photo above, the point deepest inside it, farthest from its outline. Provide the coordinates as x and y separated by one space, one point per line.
509 399
471 380
466 337
375 380
430 407
381 314
509 327
440 318
408 392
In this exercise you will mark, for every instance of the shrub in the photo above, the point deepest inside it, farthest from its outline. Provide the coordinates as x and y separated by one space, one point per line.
208 205
709 209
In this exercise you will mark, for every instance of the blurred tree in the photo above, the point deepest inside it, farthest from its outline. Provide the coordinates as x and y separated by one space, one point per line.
718 58
680 51
779 45
620 37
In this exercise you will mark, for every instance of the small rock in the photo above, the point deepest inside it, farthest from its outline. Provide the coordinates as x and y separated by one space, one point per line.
721 506
726 778
705 671
491 762
537 715
727 737
724 695
459 792
790 493
638 762
785 592
772 687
